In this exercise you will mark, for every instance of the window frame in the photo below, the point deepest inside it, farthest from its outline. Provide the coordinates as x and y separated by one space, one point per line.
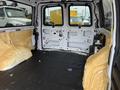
47 6
90 8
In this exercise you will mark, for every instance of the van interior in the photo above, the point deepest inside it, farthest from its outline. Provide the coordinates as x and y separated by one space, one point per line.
55 44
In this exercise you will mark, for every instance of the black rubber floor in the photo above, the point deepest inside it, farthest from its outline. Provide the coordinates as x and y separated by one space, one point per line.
46 71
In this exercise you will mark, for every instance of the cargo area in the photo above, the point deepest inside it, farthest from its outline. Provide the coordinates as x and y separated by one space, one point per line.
55 44
46 70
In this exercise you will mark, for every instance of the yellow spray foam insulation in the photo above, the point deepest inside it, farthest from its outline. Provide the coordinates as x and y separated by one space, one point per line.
15 48
96 69
22 38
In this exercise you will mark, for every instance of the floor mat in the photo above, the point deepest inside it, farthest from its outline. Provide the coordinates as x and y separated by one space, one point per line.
50 70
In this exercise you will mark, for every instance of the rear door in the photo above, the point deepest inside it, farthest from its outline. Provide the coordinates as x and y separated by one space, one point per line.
53 31
67 27
80 26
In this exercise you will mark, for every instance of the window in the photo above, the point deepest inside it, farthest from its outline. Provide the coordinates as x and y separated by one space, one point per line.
2 12
80 16
15 14
53 16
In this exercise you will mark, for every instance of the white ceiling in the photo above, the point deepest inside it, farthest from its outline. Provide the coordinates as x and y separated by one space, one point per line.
32 2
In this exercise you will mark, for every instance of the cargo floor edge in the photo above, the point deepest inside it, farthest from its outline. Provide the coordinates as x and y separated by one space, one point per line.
50 70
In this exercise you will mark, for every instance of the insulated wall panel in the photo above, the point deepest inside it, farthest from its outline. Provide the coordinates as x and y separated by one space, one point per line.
15 47
96 69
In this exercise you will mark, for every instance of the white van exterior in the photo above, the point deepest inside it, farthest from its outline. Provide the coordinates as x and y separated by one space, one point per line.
13 16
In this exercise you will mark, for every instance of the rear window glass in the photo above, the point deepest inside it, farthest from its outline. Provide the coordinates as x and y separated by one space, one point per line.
80 15
53 16
15 14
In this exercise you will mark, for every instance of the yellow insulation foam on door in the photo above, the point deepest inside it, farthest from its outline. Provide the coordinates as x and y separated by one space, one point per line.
96 69
15 48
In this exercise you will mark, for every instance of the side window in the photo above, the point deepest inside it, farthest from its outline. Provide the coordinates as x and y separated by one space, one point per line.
80 15
2 14
17 14
53 16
